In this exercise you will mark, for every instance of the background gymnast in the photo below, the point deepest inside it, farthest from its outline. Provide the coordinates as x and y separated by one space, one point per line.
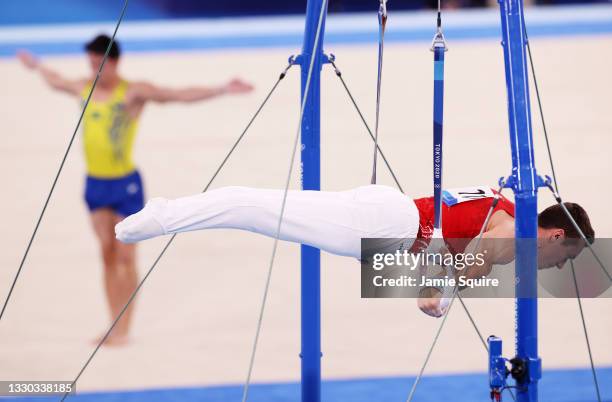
337 221
114 187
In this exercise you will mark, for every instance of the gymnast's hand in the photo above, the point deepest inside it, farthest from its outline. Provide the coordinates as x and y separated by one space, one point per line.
27 59
237 86
430 302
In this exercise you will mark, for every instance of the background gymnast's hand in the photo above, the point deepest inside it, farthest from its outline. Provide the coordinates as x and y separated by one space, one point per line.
27 59
237 86
430 302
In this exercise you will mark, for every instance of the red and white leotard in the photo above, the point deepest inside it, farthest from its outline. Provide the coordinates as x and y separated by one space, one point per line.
460 222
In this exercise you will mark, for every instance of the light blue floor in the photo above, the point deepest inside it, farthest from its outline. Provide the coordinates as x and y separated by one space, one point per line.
265 32
556 386
274 40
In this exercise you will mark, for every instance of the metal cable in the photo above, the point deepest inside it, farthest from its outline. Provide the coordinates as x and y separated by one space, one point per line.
110 329
217 171
586 333
350 95
433 344
484 343
482 340
61 166
382 23
339 74
580 232
286 190
541 109
455 294
558 198
555 190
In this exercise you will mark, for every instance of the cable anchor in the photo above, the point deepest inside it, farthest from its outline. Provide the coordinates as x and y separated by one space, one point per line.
522 370
498 372
291 62
511 182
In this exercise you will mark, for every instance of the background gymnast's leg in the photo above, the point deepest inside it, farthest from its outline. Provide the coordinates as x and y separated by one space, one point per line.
332 221
120 275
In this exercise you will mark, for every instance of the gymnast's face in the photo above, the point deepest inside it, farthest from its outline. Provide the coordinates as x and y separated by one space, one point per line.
110 67
554 249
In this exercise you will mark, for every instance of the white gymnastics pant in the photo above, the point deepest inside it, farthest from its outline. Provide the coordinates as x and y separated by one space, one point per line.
332 221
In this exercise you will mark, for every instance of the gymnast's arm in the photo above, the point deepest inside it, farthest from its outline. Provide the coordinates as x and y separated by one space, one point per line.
496 247
51 77
146 92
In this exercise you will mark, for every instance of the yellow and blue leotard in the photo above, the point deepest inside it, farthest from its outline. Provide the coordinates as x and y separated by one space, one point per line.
108 138
108 135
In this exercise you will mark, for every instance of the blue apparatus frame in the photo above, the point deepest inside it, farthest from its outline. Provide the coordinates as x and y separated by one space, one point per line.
311 180
523 180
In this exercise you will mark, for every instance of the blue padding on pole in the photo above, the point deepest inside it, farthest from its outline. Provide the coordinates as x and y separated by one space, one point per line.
438 114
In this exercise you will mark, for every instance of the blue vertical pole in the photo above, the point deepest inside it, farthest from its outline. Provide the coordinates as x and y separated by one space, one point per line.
311 180
524 183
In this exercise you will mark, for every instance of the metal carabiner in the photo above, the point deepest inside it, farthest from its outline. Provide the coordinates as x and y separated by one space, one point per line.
439 40
382 12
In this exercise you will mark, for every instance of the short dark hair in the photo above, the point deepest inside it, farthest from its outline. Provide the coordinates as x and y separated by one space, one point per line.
555 217
100 43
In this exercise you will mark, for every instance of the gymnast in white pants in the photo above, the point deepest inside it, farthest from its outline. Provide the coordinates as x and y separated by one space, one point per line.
331 221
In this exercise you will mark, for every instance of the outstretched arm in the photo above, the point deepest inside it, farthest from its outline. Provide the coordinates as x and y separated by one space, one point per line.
148 92
51 77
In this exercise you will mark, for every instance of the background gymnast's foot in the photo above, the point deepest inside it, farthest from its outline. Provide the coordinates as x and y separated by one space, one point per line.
114 339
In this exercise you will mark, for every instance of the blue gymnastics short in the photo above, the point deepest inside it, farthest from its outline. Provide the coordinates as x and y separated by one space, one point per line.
124 195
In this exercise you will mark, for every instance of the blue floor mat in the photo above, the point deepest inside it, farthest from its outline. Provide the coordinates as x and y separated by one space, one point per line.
574 385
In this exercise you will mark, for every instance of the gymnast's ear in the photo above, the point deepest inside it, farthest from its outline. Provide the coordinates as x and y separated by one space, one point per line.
556 235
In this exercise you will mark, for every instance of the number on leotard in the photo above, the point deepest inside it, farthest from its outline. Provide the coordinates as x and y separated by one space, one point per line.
458 195
480 193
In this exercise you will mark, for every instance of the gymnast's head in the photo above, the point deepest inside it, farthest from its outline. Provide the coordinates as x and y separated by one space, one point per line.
96 48
558 239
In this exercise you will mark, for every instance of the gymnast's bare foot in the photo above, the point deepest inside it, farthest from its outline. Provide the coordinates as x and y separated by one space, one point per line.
113 340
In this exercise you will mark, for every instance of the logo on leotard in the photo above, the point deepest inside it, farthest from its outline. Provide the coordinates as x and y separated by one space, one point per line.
132 188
